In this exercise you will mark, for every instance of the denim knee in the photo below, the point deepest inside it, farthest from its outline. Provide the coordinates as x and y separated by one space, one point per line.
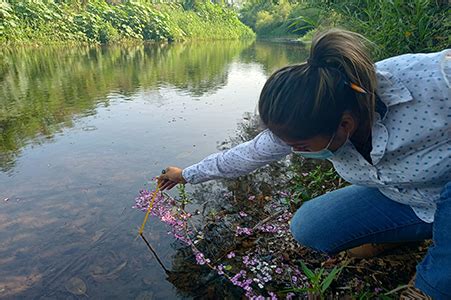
308 230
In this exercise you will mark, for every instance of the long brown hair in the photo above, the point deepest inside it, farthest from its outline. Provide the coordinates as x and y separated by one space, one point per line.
308 99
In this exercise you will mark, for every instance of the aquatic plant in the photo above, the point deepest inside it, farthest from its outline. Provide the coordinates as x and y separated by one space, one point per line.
170 212
254 271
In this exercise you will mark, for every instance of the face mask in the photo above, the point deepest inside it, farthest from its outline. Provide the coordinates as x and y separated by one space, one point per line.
321 154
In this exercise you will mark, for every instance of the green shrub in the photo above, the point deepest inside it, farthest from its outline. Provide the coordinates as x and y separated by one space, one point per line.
9 22
97 21
278 18
396 26
206 21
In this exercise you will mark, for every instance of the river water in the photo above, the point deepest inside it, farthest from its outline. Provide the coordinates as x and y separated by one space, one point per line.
83 129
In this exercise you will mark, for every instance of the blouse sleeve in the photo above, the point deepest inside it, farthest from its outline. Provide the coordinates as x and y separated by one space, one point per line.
239 160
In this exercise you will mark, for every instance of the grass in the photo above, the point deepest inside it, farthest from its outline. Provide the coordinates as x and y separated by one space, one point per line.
395 27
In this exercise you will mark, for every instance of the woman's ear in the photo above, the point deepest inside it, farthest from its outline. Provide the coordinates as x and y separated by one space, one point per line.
348 125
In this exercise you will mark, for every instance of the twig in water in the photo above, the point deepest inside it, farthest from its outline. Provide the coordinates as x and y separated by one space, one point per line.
154 253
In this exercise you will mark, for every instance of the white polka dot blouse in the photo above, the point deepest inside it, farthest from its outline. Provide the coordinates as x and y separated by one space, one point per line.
411 145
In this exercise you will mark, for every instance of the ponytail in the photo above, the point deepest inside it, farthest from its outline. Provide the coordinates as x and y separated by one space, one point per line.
308 99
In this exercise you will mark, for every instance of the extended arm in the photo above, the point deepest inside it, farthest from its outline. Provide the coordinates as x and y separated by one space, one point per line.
239 160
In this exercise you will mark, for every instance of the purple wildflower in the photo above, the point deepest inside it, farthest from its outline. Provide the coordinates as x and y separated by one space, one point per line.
242 214
247 261
200 259
220 269
163 208
231 254
270 228
236 279
243 231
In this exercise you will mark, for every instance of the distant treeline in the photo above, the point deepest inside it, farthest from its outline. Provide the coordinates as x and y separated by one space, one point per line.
396 27
100 21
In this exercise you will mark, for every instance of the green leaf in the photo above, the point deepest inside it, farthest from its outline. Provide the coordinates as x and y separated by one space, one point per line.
309 273
329 279
228 267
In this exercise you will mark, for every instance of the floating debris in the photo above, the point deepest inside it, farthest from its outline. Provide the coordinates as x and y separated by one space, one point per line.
76 286
89 128
109 268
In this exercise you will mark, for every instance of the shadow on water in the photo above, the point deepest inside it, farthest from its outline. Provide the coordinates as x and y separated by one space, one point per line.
83 129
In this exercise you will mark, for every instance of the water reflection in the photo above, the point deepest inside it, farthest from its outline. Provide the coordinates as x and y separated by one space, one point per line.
274 55
42 89
82 129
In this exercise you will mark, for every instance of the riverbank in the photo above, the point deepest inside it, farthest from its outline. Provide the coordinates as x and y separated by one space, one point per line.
36 22
237 235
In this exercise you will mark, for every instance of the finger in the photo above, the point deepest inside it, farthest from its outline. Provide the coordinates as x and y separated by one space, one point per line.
163 184
160 181
166 184
172 185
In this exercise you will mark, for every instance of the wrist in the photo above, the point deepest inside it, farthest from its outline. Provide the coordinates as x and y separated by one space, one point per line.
182 179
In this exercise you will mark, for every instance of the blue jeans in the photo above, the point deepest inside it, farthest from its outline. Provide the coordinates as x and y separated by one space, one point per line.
357 215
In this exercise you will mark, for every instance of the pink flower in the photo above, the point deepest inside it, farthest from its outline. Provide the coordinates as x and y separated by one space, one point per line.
231 255
269 228
242 214
246 259
220 269
252 197
200 259
163 208
243 231
167 217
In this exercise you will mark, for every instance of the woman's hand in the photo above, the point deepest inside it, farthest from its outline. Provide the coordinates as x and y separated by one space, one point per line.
170 177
